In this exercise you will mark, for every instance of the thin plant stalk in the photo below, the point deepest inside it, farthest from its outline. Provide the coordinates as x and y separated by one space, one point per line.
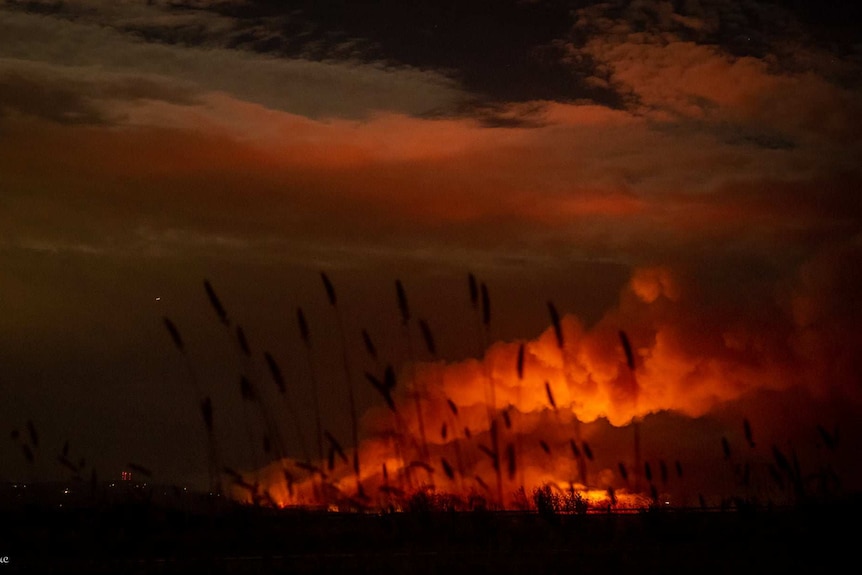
417 399
580 459
281 386
354 419
492 392
305 335
248 393
205 404
386 386
518 435
630 362
458 434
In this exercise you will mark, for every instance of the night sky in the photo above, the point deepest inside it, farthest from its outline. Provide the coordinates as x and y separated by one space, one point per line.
686 172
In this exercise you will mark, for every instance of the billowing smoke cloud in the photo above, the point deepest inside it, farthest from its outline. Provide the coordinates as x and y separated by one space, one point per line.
555 409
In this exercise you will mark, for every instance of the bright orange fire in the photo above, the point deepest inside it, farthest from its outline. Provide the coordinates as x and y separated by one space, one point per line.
519 423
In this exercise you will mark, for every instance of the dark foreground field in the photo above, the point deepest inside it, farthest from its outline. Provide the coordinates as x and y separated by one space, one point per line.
129 537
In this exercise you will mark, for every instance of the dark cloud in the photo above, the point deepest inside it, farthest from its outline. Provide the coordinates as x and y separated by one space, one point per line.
498 50
97 43
64 104
79 96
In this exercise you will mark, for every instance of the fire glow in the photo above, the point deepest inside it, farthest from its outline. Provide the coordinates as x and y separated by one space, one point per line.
558 416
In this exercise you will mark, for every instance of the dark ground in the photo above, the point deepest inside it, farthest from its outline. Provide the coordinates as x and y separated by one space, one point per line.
130 536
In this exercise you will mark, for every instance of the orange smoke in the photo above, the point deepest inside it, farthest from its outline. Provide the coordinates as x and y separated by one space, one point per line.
564 405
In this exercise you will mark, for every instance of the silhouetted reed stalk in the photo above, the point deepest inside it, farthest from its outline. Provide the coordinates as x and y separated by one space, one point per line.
456 442
493 428
249 391
475 306
205 406
578 454
507 455
305 335
29 450
247 396
518 450
371 350
482 314
473 286
245 388
386 489
65 461
385 387
431 347
281 386
272 439
348 379
790 468
486 337
749 475
630 361
417 391
335 448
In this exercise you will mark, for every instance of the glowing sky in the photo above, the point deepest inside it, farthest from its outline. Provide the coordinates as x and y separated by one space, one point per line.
686 171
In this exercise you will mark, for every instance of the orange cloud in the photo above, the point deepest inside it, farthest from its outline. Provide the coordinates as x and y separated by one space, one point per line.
690 360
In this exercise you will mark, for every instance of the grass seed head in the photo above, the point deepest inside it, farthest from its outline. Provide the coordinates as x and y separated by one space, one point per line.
555 319
216 303
275 371
749 437
623 471
369 345
474 290
403 307
627 348
447 468
303 326
550 395
243 342
521 361
510 458
428 337
330 291
452 407
725 447
175 335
